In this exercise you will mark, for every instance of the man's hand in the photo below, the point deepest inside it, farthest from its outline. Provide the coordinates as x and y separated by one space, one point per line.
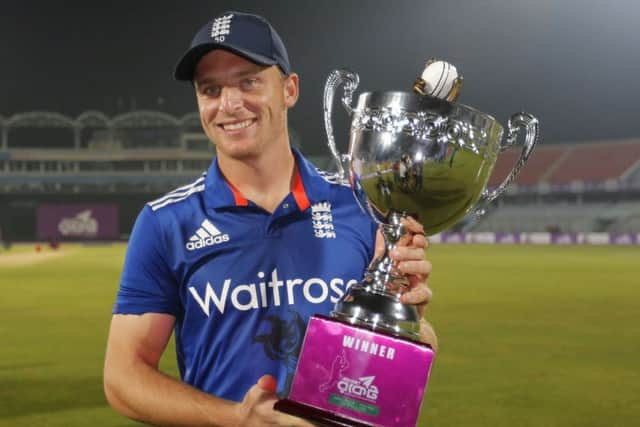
256 409
409 259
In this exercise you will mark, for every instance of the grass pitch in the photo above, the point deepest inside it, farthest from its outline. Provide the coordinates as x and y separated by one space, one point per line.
529 336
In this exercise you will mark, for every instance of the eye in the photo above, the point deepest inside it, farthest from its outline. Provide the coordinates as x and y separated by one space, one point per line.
210 91
249 83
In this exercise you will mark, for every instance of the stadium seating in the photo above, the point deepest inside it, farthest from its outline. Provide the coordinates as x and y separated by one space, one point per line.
147 153
599 164
542 160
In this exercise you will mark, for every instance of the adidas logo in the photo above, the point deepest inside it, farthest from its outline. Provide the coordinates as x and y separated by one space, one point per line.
206 235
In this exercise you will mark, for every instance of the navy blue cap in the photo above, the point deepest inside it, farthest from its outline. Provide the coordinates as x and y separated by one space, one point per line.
244 34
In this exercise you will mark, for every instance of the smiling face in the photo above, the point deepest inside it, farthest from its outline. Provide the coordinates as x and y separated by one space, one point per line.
243 106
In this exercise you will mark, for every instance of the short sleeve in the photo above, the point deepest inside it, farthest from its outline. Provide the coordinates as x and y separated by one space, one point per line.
147 284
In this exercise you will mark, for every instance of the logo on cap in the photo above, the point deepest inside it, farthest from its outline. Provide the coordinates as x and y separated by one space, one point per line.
221 28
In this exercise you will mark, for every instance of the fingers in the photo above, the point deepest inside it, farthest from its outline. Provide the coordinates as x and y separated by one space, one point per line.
257 407
428 334
420 268
409 260
407 253
413 237
258 401
256 397
419 295
268 383
291 421
420 241
414 234
412 226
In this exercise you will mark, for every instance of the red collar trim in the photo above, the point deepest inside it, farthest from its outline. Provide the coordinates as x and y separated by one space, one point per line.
239 199
298 192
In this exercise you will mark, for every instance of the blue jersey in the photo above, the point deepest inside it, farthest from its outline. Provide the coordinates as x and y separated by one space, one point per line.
240 281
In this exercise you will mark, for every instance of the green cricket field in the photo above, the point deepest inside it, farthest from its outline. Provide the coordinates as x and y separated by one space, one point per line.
529 336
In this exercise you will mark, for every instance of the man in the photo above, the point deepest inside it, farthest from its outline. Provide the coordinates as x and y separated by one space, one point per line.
236 262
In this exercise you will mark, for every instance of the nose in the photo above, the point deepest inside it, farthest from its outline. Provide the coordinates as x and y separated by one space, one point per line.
230 99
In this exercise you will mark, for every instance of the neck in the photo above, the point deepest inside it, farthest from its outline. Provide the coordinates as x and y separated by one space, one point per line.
266 180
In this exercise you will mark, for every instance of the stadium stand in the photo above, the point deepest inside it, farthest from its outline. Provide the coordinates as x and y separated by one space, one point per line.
602 164
139 151
542 160
597 163
128 159
569 188
94 160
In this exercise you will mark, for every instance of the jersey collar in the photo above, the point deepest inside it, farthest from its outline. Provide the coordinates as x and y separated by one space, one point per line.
309 186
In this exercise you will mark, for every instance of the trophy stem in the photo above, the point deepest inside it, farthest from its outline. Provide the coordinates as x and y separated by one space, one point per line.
382 275
375 302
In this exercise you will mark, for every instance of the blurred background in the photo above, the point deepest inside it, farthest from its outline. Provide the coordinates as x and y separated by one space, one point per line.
92 126
89 110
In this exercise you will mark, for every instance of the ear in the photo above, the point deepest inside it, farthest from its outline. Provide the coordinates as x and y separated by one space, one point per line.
291 90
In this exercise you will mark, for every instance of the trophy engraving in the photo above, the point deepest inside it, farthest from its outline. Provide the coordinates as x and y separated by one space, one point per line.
415 154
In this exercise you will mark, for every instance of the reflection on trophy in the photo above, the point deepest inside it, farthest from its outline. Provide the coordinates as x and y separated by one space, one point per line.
416 154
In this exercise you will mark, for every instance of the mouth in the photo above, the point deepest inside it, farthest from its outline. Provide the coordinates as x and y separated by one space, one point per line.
237 125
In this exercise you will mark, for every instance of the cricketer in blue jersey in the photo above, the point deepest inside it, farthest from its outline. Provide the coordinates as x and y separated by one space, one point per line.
235 263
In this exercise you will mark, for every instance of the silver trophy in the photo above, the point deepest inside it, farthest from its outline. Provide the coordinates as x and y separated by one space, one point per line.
419 154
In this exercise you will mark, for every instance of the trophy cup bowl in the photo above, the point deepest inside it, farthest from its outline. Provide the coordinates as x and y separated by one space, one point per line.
421 156
409 155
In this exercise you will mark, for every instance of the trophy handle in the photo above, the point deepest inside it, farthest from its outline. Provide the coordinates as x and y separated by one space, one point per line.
350 80
516 123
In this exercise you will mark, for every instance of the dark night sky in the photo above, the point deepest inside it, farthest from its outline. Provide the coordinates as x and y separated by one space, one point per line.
574 64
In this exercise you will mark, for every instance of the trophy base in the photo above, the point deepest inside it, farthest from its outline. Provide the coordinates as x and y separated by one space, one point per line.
379 311
315 415
349 375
